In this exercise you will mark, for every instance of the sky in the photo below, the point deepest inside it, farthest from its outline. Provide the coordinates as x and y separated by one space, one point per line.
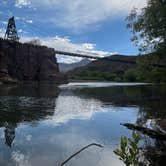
93 27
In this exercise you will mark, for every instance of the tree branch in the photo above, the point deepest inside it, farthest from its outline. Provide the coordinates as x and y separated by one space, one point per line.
69 158
150 132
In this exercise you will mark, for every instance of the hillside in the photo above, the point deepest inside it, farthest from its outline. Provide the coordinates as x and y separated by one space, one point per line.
109 68
64 67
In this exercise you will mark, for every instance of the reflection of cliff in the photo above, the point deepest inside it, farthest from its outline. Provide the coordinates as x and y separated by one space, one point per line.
9 133
26 62
17 106
29 90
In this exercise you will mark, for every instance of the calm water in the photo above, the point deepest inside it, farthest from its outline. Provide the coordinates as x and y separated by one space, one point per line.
43 125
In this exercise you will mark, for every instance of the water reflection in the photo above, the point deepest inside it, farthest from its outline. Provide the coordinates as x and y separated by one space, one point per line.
150 100
9 133
44 125
73 107
24 104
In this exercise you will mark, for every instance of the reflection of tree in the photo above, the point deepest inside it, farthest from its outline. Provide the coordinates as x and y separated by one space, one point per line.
149 98
152 109
126 95
24 104
151 102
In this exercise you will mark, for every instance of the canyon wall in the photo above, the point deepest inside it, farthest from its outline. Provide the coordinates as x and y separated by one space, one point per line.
28 63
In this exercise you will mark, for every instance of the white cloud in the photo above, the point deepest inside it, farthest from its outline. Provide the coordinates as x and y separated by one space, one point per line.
29 137
22 3
80 14
20 30
65 44
24 20
20 159
2 32
29 21
4 22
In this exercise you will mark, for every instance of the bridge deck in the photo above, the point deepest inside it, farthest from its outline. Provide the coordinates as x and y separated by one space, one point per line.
76 54
92 57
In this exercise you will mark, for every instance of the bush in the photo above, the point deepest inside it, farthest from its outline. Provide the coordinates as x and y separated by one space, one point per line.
130 75
158 75
147 72
129 151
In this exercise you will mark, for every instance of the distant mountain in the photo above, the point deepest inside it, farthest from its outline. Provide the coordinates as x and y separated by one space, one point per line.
64 67
104 68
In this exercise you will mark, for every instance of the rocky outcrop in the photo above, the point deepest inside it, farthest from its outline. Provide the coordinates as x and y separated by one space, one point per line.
28 63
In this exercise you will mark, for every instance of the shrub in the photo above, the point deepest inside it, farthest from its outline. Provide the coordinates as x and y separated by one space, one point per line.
129 150
130 75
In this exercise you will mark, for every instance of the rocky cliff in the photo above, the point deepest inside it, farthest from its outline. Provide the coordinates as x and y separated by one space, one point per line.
28 63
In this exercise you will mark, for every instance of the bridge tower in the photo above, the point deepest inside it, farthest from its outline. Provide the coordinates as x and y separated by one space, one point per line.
11 31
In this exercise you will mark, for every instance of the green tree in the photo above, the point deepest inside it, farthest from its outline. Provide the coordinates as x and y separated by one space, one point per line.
130 75
158 75
144 68
149 26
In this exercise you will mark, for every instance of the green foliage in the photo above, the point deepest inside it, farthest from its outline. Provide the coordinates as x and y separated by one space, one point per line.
158 75
129 150
94 75
118 78
144 68
147 72
149 26
149 34
144 72
130 75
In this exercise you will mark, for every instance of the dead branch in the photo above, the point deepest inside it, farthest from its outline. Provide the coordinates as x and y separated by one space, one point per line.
69 158
150 132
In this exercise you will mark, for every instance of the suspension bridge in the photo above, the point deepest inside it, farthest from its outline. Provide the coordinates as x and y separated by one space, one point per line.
12 35
76 55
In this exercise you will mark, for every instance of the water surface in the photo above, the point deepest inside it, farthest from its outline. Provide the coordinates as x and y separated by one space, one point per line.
43 125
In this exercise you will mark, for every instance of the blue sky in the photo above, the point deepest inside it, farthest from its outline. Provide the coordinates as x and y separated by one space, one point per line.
95 27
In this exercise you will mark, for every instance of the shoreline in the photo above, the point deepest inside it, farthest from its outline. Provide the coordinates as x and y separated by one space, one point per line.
102 81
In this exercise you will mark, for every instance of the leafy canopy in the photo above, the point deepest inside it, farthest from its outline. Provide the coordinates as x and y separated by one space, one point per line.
149 26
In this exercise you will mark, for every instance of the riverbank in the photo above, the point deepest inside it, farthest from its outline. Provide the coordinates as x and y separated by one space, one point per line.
104 81
73 80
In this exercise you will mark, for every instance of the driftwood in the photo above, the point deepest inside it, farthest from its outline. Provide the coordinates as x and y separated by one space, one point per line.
150 132
73 155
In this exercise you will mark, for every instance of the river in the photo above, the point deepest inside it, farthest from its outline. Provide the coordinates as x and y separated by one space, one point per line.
44 125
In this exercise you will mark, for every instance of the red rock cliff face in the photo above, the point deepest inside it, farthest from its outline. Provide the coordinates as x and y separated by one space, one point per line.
26 63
